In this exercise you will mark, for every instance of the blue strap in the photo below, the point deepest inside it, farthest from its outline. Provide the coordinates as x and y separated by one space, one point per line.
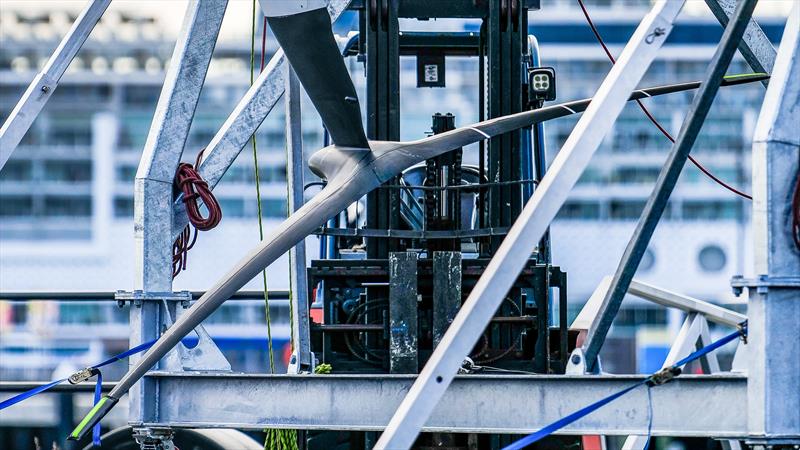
564 421
138 349
98 394
711 347
39 389
28 394
561 423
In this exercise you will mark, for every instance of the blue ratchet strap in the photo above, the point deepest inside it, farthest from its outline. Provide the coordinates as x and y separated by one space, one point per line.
28 394
663 376
82 375
98 394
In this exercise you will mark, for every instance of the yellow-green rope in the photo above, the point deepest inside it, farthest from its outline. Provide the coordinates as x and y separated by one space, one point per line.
258 196
276 439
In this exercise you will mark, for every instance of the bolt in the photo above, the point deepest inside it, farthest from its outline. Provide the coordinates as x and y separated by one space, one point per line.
576 359
45 89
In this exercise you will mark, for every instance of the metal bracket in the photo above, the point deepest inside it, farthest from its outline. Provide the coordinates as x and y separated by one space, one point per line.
763 283
205 356
138 296
576 365
155 438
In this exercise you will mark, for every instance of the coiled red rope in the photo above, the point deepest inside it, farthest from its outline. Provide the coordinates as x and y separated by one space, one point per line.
193 188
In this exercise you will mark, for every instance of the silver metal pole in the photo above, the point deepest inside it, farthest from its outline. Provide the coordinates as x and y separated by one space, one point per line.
773 386
665 184
245 119
41 88
754 46
526 232
295 165
153 191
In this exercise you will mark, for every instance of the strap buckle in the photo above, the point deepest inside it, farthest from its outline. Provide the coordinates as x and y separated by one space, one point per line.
83 375
663 376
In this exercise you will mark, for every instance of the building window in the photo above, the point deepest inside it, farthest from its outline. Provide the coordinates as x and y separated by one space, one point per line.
626 209
711 210
123 207
574 210
126 173
232 207
274 207
712 258
17 170
635 175
141 96
62 206
16 206
70 171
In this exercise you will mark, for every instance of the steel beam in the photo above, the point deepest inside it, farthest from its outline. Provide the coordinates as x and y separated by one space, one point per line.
45 83
710 405
657 202
298 280
755 46
774 310
243 122
529 228
663 297
153 188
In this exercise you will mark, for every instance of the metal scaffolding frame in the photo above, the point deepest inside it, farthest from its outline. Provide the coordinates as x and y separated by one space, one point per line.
176 394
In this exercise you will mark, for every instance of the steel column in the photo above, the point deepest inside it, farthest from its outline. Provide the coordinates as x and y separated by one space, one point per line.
153 190
529 228
755 46
245 119
774 311
666 181
295 168
45 83
383 111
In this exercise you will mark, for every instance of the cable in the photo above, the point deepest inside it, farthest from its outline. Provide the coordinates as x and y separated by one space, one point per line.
258 187
650 116
189 182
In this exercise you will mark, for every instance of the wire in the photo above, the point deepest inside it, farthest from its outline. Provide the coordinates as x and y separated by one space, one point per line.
650 116
258 189
649 417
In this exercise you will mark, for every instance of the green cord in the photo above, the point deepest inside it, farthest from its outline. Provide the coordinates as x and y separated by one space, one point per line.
275 439
258 196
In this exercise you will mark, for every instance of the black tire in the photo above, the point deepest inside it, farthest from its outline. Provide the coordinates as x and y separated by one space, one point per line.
185 439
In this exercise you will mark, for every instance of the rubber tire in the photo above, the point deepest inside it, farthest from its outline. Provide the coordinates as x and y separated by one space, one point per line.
185 439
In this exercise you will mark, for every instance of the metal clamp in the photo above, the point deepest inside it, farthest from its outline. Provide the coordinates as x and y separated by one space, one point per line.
83 375
763 283
138 296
